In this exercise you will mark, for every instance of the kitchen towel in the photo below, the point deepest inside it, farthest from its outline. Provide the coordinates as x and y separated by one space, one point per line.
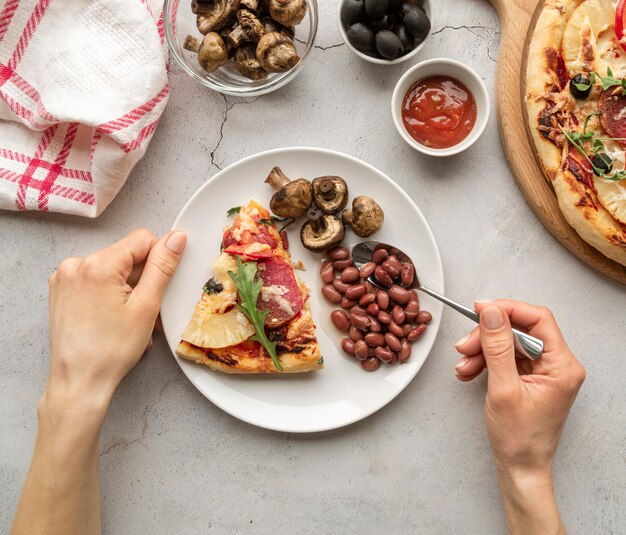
83 84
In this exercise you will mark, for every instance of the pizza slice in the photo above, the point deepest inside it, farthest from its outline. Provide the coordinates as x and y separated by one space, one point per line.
254 314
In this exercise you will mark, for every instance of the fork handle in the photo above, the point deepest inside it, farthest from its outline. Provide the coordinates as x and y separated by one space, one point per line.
525 345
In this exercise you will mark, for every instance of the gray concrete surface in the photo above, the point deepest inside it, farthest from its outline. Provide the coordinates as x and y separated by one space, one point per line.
173 463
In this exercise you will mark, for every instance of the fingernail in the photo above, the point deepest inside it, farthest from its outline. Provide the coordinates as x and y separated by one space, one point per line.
482 301
492 318
461 363
176 242
462 341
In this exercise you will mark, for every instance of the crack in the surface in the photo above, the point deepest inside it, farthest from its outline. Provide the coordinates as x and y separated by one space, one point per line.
229 106
320 47
473 29
126 443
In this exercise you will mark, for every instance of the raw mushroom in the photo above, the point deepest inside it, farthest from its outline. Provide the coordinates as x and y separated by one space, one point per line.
276 52
252 5
211 51
321 231
250 28
203 7
291 199
330 194
271 25
247 64
220 14
287 12
365 217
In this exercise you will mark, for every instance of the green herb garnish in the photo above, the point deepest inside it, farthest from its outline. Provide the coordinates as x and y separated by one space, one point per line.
609 80
265 221
249 289
234 210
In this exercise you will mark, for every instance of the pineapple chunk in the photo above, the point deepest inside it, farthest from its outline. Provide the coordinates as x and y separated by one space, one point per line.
612 195
210 330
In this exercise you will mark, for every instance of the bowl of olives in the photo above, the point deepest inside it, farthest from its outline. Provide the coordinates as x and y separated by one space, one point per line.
385 32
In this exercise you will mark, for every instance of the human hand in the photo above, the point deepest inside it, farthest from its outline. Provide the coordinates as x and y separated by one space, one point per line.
102 312
527 401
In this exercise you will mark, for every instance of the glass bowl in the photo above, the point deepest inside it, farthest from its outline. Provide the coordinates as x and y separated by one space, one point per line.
180 22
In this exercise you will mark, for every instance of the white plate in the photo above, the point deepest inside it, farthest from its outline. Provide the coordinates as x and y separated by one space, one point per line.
342 393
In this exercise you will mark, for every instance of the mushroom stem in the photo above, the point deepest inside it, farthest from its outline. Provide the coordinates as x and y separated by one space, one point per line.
347 216
317 220
192 43
327 188
277 179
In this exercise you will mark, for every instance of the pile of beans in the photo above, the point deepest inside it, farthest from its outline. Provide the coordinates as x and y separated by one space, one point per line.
381 324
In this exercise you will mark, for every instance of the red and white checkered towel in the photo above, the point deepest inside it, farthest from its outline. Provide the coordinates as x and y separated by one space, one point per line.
83 84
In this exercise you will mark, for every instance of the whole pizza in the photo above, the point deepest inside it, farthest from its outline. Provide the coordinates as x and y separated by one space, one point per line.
576 104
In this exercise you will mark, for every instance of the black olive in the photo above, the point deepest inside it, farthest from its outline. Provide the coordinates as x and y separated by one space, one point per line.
361 37
416 21
388 44
382 24
580 86
407 40
394 6
352 11
376 9
602 162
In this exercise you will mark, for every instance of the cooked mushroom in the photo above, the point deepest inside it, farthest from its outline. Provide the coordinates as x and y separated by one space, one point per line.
220 14
291 199
211 51
330 194
249 28
271 25
288 12
276 52
321 231
252 5
365 217
247 64
203 7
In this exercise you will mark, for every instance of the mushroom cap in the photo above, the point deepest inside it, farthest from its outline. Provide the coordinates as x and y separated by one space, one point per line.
217 16
250 24
276 52
212 53
288 12
365 217
332 234
330 194
293 199
247 64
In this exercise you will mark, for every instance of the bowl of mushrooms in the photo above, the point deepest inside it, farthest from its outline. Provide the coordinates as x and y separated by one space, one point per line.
241 47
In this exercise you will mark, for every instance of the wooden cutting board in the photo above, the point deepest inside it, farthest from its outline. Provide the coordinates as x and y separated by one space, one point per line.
518 19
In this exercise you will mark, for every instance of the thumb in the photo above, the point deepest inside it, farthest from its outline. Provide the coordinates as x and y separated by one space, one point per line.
160 265
496 339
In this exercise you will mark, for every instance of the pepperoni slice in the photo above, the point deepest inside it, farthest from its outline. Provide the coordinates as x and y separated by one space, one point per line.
281 295
613 110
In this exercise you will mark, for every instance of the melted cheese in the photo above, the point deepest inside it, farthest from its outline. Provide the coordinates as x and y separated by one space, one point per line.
276 292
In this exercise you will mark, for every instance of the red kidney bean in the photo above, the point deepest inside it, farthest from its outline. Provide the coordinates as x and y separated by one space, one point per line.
407 274
360 322
360 349
367 299
340 286
331 294
382 276
347 303
370 364
405 350
395 329
343 264
340 319
390 269
416 332
383 317
413 296
382 298
370 287
395 263
384 353
355 334
424 317
393 360
375 325
374 339
406 329
338 253
398 314
358 310
373 309
398 294
392 342
411 310
367 269
356 292
380 256
348 346
350 275
327 271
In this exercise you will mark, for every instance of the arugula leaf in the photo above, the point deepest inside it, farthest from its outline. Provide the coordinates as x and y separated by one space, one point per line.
609 80
234 210
265 221
249 289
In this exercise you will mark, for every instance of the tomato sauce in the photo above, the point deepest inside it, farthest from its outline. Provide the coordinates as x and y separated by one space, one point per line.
439 112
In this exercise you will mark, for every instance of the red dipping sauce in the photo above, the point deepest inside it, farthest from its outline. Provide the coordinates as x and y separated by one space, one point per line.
439 112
